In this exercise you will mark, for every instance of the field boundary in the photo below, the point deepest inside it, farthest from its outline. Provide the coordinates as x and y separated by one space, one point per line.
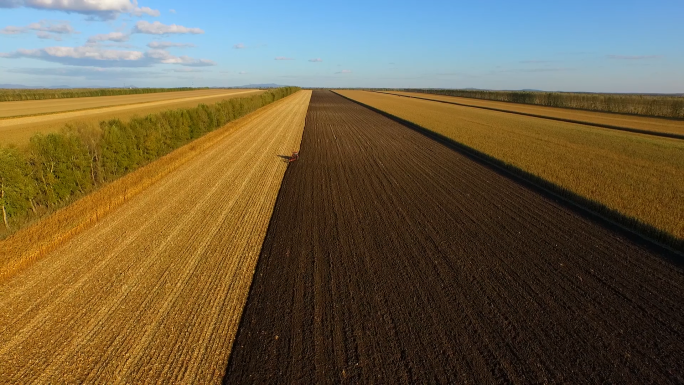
31 243
667 244
24 94
601 125
121 105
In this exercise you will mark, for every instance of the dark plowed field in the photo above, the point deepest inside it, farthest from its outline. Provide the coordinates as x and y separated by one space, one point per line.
391 258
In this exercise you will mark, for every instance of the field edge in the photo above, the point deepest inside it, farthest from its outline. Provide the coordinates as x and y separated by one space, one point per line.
583 122
632 227
28 244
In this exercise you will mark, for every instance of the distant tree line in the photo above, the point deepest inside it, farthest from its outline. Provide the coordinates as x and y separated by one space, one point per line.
54 169
12 95
646 105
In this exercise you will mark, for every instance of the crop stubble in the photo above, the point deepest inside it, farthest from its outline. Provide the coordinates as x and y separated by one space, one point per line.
393 259
54 114
154 292
642 123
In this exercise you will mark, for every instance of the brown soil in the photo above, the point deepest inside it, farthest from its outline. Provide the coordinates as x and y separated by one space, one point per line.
605 167
391 258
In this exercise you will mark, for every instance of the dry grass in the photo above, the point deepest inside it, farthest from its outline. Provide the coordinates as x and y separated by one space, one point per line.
51 117
637 175
153 292
669 126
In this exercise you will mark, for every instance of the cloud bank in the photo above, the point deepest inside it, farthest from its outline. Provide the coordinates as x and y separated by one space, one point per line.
100 9
95 56
44 29
169 44
158 28
118 37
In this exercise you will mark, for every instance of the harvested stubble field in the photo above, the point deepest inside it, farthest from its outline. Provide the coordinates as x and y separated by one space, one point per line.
391 258
154 291
643 124
639 176
53 115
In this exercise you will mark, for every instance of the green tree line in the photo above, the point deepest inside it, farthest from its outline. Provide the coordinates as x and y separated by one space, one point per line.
662 106
55 169
13 95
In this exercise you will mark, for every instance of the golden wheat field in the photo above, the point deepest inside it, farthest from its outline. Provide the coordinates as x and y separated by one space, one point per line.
21 120
658 125
637 175
153 292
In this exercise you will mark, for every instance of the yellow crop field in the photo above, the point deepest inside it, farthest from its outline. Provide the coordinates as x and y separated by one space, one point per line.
21 120
154 291
637 175
658 125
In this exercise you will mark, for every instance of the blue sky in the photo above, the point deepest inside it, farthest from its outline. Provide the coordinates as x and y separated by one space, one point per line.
602 46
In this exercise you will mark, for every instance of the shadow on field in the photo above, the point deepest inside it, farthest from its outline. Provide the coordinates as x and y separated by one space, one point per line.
669 247
285 158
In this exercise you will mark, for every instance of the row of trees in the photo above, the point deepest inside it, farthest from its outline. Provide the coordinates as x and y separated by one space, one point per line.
11 95
55 169
645 105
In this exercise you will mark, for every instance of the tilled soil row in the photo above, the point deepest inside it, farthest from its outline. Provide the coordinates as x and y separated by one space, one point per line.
393 259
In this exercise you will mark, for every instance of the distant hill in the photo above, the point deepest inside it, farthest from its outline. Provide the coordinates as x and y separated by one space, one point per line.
14 86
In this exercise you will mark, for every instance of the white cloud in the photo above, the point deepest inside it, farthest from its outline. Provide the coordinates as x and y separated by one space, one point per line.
112 36
145 11
344 72
48 36
283 58
172 10
158 28
95 56
164 57
239 46
42 28
12 30
242 73
63 27
168 44
83 56
101 9
317 60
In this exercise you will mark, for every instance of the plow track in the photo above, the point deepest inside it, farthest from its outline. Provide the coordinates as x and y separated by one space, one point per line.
154 292
393 259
